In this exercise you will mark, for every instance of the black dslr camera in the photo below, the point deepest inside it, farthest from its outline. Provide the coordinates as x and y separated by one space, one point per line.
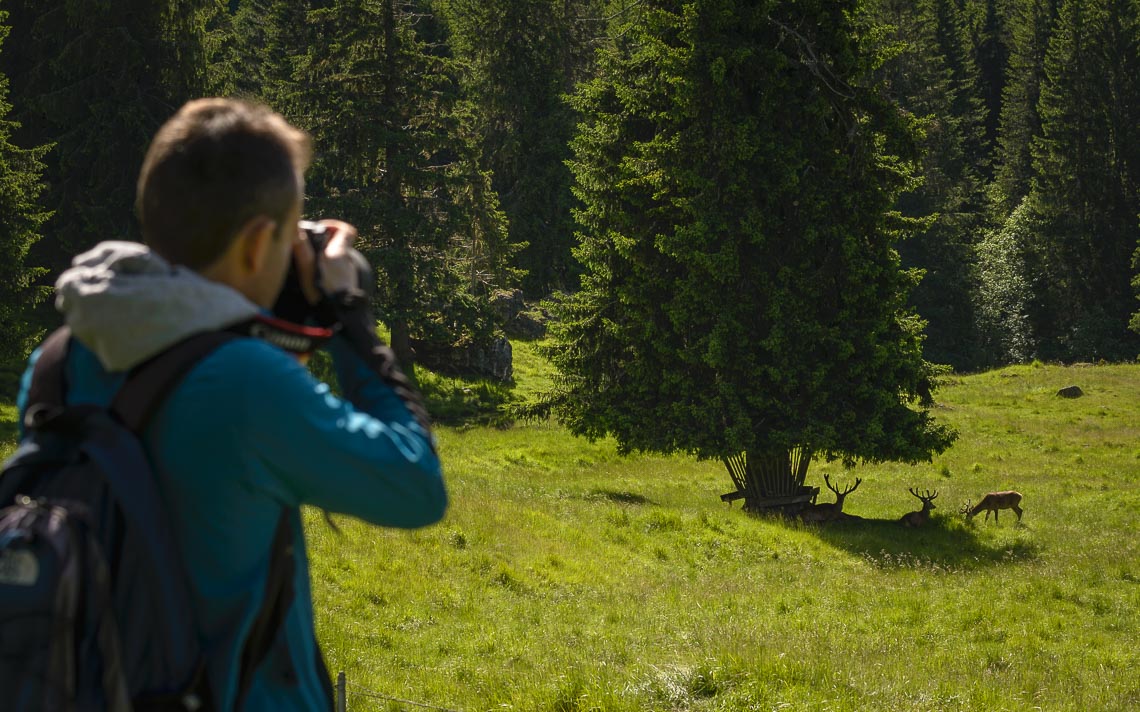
291 304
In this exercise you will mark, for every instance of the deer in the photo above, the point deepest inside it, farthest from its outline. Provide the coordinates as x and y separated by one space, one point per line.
992 502
828 512
917 519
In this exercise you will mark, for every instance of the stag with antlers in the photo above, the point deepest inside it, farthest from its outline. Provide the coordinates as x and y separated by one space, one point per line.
829 512
918 519
992 502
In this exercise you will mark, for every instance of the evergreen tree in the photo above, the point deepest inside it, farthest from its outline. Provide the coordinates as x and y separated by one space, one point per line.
524 56
266 39
1030 23
1087 179
397 157
741 292
1135 323
21 218
992 47
966 103
98 79
931 73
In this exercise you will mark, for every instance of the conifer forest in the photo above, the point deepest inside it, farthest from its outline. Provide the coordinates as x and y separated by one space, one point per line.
784 217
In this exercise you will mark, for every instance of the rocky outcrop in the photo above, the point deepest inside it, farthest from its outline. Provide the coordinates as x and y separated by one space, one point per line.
519 319
485 360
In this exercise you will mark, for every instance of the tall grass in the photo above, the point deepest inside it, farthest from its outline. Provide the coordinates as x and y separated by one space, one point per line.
566 577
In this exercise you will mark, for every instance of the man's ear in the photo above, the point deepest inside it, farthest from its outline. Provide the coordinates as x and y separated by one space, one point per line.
254 241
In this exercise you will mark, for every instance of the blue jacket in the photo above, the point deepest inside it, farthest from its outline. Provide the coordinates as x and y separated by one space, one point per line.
248 431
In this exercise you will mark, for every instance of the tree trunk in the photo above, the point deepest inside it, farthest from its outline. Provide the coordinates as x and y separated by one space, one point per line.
390 183
402 345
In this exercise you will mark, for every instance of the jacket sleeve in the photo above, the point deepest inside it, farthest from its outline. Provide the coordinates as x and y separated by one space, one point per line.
369 458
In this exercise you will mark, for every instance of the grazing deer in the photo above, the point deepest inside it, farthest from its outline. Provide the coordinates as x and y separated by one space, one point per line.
992 502
917 519
828 512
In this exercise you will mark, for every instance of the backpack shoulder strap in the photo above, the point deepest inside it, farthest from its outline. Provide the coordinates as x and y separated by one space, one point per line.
275 603
146 385
48 381
150 382
135 403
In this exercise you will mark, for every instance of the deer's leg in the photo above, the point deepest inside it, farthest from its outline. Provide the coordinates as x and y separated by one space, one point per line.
1018 510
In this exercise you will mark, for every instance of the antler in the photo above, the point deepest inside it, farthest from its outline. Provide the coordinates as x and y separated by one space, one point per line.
846 491
827 481
965 509
929 495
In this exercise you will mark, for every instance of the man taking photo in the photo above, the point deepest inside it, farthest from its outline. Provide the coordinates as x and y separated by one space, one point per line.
248 435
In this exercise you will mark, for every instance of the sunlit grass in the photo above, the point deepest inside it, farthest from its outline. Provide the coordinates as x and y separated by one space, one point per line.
8 418
566 577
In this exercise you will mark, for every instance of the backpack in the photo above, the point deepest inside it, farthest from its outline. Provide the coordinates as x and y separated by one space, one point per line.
94 600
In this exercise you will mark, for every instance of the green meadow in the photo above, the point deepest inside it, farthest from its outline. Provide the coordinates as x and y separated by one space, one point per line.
568 578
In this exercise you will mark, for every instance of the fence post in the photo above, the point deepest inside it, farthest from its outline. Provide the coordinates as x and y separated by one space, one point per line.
341 700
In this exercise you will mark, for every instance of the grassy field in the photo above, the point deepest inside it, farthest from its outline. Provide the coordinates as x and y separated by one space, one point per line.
566 577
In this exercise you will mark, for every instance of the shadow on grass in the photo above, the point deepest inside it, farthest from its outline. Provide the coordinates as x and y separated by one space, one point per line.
887 544
619 497
471 402
450 400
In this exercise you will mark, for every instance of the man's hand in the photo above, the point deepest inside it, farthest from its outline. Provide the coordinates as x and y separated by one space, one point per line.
338 272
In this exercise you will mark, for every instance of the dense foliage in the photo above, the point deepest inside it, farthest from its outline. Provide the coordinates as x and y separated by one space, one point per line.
397 156
96 79
928 68
446 133
742 292
1086 188
20 220
522 58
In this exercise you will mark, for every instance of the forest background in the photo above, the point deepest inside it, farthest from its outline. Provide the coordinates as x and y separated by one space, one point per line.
468 140
443 128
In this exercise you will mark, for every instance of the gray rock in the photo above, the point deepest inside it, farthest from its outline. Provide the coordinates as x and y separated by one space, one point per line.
527 325
494 360
491 359
507 303
1071 392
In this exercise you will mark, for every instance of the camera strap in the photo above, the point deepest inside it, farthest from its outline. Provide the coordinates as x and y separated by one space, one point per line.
297 339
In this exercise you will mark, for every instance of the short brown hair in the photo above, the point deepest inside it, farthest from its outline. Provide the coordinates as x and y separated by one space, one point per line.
212 167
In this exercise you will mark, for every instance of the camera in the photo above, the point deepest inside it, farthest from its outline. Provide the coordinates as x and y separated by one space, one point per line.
317 234
291 304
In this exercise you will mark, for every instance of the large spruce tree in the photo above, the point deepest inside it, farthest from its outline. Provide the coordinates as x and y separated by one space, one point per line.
991 48
742 299
21 218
